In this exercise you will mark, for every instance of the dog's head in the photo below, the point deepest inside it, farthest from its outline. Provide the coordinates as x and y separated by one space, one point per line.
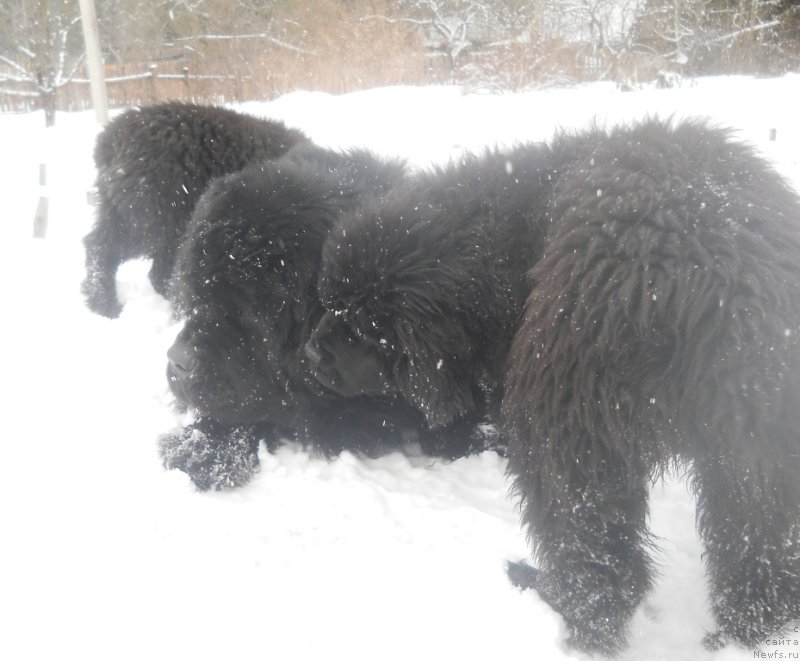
390 280
245 282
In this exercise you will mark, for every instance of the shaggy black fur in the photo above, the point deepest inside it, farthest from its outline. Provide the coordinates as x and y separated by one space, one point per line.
152 165
245 280
636 294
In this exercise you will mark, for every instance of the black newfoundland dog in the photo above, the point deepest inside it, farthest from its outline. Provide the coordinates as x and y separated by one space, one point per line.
152 165
245 280
636 294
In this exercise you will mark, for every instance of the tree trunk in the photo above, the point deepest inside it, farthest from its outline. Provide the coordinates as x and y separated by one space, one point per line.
47 97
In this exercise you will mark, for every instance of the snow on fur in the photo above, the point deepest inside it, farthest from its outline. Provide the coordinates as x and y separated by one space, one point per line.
108 556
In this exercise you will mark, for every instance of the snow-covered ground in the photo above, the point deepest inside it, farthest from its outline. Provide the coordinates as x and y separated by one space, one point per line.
106 556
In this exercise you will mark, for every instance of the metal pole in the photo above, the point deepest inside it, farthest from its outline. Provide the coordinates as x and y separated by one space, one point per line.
94 60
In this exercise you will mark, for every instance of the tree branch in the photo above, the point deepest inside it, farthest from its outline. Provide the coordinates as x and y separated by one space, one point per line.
18 68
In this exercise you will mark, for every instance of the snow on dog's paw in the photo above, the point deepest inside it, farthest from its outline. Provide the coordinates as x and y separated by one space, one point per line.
213 456
714 640
522 575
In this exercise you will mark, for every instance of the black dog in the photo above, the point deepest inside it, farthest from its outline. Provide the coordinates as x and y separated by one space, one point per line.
636 294
246 282
152 166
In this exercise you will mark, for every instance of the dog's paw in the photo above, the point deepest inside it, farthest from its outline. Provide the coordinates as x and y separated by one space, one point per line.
522 575
214 457
715 640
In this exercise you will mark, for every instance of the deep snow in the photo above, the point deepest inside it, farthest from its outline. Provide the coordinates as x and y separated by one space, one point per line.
105 555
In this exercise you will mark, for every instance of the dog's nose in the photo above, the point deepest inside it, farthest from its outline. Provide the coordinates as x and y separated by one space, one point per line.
182 356
317 349
313 352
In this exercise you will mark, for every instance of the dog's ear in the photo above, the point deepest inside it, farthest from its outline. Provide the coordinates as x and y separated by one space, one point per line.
255 246
433 368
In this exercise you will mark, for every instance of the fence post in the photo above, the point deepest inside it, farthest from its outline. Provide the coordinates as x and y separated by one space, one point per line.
153 78
187 92
40 217
237 92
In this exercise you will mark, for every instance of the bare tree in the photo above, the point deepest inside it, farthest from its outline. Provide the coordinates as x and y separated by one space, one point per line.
180 48
455 27
41 45
720 36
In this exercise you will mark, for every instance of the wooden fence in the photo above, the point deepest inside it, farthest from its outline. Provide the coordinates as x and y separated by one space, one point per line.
127 89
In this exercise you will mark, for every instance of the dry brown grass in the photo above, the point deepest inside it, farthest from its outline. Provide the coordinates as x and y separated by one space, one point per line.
342 52
339 47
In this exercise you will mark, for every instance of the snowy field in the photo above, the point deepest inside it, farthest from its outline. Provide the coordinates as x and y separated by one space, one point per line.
105 556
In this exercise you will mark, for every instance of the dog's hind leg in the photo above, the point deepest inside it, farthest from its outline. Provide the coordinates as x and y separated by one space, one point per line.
749 519
103 247
592 546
